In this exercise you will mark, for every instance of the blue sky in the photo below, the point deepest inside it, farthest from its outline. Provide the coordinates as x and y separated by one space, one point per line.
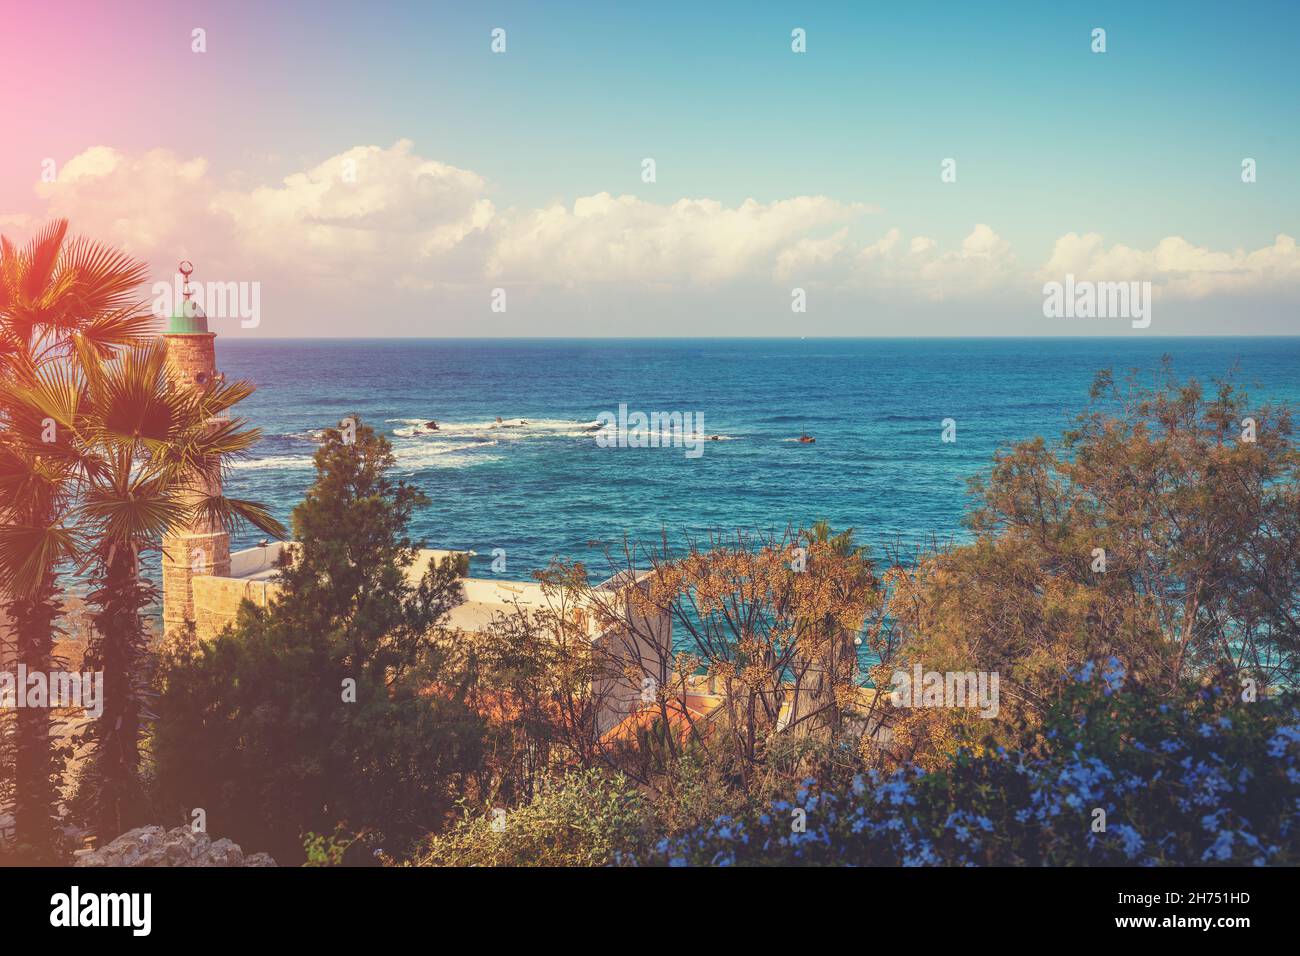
1139 144
1141 141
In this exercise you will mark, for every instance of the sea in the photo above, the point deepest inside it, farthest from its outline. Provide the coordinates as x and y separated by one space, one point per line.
539 485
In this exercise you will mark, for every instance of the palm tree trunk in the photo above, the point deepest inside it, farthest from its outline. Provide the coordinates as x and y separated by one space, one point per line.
119 647
37 764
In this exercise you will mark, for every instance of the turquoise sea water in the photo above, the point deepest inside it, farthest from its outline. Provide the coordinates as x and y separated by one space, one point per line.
546 488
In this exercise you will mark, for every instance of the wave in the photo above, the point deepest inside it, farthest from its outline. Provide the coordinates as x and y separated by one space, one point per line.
508 428
455 444
408 458
286 462
401 452
430 456
289 441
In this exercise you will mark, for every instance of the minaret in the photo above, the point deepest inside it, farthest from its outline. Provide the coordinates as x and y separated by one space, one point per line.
198 548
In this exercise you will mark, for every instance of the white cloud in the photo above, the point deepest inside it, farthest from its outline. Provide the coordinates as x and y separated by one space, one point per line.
372 220
808 258
140 203
1177 267
604 238
366 208
389 216
918 268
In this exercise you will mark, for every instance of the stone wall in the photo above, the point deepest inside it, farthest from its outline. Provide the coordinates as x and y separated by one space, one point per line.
192 359
188 558
216 601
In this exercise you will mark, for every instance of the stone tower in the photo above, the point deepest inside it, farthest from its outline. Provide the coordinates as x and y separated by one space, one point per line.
199 548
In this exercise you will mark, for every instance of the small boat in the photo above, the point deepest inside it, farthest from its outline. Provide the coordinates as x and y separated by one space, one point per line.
806 440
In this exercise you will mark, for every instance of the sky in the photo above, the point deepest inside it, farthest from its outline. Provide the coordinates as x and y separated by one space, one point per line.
378 170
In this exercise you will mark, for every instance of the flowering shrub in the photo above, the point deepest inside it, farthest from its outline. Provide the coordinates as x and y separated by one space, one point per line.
1201 777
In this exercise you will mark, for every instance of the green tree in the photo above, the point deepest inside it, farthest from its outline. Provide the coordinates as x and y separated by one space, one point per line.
1163 530
326 707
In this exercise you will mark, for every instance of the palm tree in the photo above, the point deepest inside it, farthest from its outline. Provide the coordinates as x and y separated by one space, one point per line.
53 292
146 453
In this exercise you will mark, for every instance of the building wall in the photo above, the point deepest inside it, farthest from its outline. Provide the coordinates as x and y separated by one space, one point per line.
640 657
188 558
216 601
638 650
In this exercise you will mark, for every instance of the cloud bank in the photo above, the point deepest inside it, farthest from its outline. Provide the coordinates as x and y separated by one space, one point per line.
374 223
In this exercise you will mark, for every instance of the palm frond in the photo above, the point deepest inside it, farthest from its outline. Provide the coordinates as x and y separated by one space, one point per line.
131 512
104 280
110 332
28 554
41 257
222 396
229 513
53 390
8 275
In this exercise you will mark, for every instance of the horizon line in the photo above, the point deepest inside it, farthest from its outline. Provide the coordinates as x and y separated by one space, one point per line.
745 338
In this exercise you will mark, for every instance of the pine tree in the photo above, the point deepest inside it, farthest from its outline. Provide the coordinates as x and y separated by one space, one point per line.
315 711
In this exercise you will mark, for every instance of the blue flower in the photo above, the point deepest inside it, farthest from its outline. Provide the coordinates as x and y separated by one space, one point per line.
1131 841
1113 675
1278 742
1222 848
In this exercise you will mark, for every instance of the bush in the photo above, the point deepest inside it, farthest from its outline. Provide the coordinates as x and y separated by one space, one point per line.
585 818
1200 778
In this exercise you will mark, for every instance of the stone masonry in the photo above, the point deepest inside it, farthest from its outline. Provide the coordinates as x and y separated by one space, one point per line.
200 549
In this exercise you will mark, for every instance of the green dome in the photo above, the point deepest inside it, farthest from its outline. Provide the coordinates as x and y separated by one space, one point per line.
188 319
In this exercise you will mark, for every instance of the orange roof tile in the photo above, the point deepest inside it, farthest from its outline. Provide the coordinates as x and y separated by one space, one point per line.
682 713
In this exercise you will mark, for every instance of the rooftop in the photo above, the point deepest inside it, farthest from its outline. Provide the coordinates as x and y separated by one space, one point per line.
484 597
188 319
